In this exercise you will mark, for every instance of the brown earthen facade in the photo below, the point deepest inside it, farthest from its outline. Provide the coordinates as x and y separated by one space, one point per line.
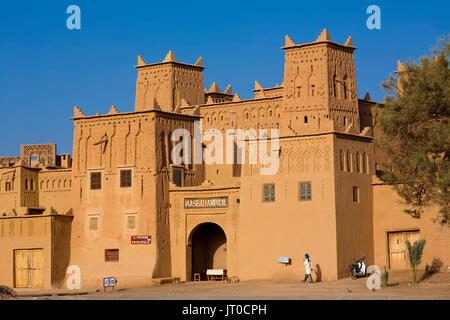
324 199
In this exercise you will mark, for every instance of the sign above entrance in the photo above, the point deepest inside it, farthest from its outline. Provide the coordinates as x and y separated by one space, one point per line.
213 202
141 239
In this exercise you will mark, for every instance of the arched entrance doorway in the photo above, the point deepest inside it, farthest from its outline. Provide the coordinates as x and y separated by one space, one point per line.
208 244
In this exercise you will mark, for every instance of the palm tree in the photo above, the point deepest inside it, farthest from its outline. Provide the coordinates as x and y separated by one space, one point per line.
415 256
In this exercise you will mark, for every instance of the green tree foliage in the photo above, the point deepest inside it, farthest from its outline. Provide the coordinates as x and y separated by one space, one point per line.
415 132
415 256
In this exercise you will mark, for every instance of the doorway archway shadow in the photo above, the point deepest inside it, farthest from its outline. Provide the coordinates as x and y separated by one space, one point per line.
207 249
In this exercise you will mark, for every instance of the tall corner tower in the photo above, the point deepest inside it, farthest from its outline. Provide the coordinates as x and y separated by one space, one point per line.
319 77
163 85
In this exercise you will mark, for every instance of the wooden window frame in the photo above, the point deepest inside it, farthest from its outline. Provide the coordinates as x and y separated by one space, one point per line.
131 215
89 222
358 196
122 182
111 255
299 191
91 185
172 175
271 199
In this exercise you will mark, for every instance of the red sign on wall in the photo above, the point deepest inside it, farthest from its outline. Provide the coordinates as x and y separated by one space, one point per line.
141 239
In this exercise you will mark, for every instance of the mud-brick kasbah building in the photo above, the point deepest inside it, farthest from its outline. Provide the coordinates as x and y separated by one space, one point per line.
119 207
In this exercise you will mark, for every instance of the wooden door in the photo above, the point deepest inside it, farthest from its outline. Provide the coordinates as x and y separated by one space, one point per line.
21 262
29 268
398 253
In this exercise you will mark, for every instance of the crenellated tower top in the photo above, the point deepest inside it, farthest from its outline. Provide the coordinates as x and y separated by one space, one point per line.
168 84
319 78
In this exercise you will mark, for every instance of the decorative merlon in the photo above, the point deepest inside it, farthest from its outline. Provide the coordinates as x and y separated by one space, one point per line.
141 61
196 111
258 86
288 41
209 100
365 131
199 62
400 66
349 128
228 89
77 113
214 87
349 42
113 110
184 103
170 57
236 97
324 36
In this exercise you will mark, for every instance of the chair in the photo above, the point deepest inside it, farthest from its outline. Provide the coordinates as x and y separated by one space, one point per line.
196 276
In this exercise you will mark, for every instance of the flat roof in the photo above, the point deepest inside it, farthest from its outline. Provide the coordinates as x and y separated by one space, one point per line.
166 62
132 113
318 42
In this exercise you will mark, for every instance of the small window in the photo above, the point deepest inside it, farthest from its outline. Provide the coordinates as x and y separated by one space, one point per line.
312 90
355 194
358 159
269 192
304 191
348 161
93 223
177 177
364 163
125 178
345 87
131 221
33 212
96 180
111 255
305 119
334 85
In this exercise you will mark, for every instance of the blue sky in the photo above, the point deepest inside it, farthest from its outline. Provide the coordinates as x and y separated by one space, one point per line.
46 69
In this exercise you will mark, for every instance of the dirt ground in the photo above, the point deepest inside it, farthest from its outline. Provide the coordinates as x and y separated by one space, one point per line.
436 287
